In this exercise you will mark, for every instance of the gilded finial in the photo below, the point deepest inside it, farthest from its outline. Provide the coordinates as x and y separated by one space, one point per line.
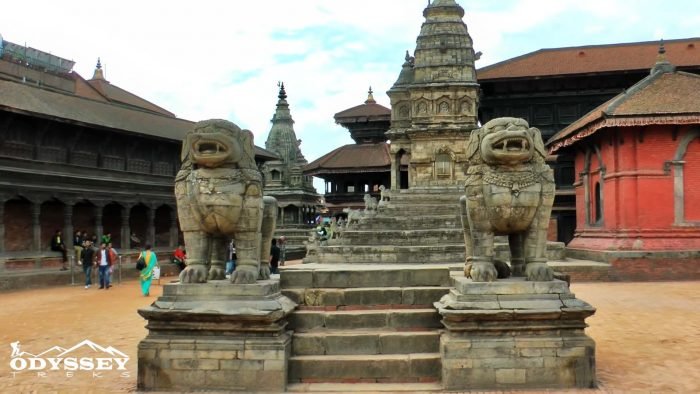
370 98
99 74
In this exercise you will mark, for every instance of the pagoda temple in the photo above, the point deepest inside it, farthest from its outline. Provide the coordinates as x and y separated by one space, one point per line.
353 170
637 160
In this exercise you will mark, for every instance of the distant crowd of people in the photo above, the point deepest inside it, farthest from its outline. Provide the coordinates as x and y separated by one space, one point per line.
91 253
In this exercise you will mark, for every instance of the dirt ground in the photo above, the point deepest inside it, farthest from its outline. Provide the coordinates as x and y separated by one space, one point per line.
647 334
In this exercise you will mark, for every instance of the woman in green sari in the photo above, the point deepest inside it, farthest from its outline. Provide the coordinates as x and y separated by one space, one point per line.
147 273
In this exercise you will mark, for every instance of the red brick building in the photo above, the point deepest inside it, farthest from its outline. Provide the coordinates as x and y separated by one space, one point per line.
637 165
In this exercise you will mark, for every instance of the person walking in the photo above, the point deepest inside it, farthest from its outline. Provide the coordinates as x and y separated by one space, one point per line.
114 257
283 249
104 262
57 245
147 273
230 259
274 257
87 257
78 245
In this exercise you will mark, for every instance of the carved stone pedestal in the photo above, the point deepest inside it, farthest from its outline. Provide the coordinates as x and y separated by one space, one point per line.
514 334
216 336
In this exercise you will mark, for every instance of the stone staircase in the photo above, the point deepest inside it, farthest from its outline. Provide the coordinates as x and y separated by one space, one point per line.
415 227
365 324
295 236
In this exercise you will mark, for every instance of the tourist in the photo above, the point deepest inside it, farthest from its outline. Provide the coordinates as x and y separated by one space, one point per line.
180 257
84 238
93 240
147 272
78 245
87 257
106 238
57 245
283 249
274 257
134 241
114 257
231 259
104 262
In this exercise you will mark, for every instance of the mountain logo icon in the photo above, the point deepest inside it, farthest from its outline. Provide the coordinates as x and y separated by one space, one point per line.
83 356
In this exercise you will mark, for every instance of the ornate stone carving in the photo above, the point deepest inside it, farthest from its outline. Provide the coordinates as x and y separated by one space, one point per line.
509 191
219 196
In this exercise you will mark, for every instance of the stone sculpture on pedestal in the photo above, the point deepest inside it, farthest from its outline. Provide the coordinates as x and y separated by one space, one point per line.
219 197
509 191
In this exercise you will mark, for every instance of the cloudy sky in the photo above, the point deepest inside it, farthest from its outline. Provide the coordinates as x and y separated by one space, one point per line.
222 59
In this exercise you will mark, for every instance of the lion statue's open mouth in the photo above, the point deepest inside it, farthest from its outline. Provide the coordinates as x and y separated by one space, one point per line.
511 144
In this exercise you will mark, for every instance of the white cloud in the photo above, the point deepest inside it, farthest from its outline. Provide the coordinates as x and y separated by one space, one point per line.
212 58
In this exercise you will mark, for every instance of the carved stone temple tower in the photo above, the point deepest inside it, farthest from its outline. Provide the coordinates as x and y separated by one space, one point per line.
434 101
295 194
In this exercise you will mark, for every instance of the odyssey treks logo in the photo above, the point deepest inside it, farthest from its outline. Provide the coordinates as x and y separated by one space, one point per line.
85 357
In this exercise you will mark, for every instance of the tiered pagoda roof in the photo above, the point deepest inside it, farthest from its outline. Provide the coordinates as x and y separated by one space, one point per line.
667 96
592 59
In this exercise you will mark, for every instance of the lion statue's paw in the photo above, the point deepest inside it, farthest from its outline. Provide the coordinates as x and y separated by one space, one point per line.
538 272
217 273
194 273
483 272
264 273
244 275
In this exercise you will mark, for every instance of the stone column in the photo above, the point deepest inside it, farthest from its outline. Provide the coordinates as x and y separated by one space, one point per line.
173 228
2 225
151 230
36 226
68 224
678 193
126 227
300 215
98 222
394 173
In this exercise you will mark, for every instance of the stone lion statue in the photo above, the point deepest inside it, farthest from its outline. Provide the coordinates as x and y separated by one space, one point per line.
509 191
219 196
370 202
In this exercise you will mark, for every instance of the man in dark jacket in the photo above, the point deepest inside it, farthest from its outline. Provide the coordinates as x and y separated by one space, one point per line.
103 259
274 257
87 258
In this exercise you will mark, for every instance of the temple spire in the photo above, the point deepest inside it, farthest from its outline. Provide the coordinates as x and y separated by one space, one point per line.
370 97
282 95
98 71
662 64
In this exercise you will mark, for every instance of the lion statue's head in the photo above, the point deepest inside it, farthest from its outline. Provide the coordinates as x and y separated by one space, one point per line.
218 142
506 141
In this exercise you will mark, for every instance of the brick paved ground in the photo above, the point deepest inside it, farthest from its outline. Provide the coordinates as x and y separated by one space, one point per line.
647 334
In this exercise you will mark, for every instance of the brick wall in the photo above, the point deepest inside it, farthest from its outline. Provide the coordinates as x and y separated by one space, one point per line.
18 226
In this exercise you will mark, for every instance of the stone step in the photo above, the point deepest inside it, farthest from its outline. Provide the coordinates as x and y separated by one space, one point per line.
439 253
390 254
404 368
374 275
380 221
343 298
365 342
387 319
420 209
359 386
400 237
